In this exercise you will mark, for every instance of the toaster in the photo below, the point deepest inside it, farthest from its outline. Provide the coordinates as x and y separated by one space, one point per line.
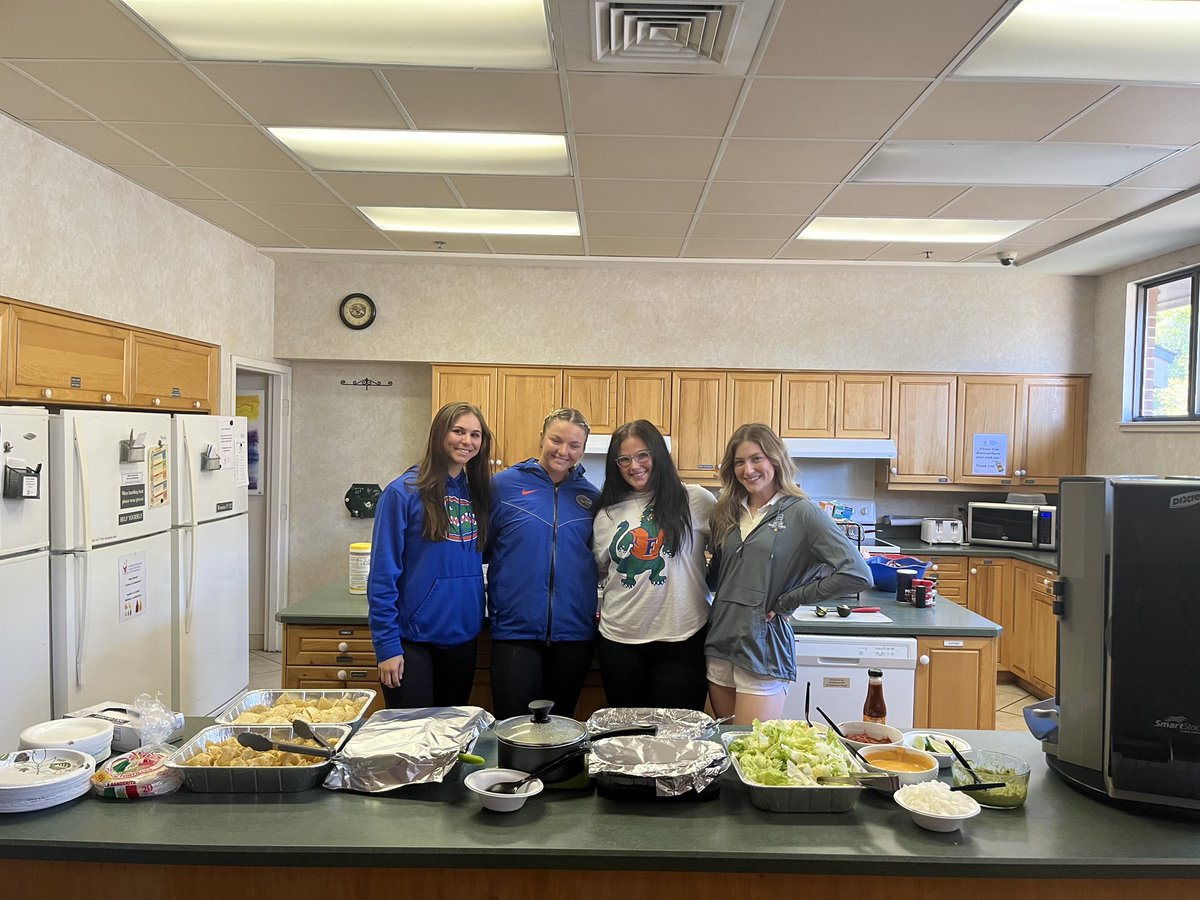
942 531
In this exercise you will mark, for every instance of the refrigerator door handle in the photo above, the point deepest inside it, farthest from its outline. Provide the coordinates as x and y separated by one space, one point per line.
85 490
81 574
190 601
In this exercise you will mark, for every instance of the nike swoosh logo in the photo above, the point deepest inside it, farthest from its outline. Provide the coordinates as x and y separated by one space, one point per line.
527 493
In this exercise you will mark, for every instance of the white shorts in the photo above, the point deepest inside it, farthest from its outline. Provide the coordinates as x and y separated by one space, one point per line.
726 674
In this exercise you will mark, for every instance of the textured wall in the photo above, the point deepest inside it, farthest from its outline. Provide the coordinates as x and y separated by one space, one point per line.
1112 450
78 236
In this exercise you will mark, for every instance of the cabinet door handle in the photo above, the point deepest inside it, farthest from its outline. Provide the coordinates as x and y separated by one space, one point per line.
934 567
47 393
974 571
1046 582
923 659
343 646
343 675
195 404
156 402
895 470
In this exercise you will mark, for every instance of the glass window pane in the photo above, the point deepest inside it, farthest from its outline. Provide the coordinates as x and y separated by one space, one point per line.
1166 349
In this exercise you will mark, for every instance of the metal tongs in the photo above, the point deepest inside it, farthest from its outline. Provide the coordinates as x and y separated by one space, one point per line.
880 781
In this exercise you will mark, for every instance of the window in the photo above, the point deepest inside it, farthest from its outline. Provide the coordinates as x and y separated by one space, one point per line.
1165 381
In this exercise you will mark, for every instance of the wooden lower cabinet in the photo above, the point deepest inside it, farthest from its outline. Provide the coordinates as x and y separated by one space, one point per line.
956 683
989 593
1043 642
330 658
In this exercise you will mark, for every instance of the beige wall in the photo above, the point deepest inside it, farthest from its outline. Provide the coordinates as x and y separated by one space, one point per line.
78 236
1112 450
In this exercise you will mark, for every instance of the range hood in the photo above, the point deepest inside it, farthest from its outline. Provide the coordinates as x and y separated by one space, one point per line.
840 448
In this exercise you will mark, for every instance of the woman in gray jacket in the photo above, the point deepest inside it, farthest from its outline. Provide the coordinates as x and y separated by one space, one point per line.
775 551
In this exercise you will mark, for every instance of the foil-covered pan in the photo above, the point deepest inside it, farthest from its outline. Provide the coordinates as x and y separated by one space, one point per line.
247 700
659 766
688 723
396 747
252 779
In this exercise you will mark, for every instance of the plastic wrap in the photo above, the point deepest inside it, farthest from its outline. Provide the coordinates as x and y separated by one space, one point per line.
671 765
142 772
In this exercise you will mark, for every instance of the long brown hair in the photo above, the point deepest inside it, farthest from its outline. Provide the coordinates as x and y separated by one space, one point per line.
434 468
729 504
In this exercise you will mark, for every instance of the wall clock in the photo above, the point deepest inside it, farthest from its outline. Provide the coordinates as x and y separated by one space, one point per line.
357 311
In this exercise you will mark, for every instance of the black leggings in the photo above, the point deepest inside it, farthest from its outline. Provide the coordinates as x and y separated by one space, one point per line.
523 671
660 673
434 676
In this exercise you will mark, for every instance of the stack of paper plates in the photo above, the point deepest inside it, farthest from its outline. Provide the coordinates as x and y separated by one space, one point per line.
90 736
38 779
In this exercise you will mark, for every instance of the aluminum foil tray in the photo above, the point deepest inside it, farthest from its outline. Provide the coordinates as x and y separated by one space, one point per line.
686 723
247 779
248 699
795 798
659 766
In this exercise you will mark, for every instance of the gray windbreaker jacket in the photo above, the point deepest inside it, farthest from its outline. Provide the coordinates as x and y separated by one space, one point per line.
793 557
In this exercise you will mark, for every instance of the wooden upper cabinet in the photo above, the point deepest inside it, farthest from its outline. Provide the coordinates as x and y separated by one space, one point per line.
923 408
808 404
698 430
168 373
863 406
752 397
1054 429
466 384
594 393
60 358
989 410
645 394
524 397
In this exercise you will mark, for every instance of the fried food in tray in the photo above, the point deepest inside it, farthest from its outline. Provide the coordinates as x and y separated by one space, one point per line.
230 753
264 707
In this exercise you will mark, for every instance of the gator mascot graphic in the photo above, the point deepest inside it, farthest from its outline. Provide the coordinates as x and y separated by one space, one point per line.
463 526
640 550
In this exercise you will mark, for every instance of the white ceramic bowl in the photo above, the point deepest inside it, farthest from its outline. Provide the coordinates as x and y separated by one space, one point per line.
479 782
919 757
873 729
916 739
933 821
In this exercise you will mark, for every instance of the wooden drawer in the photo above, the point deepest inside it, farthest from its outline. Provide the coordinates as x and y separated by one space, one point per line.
1042 581
947 567
954 589
326 678
329 646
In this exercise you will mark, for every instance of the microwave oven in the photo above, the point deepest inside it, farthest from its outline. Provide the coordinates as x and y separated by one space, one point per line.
1013 525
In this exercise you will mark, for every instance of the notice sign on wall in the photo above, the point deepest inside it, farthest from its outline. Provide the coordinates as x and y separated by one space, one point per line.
131 585
989 454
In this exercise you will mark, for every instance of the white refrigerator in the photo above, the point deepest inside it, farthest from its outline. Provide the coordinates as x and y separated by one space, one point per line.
210 607
110 565
24 571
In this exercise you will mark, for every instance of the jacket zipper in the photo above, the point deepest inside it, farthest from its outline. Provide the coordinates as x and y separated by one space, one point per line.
553 554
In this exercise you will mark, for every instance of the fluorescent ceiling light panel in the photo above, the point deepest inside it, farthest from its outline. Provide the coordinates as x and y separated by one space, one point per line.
486 34
1008 162
472 221
942 231
437 152
1106 40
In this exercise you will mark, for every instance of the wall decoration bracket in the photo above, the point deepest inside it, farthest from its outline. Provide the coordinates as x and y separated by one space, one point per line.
367 383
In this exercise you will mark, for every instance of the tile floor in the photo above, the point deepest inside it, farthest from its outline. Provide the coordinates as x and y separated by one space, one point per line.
265 673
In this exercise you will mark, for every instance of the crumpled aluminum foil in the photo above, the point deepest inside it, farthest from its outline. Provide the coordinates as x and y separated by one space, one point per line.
687 723
396 747
674 765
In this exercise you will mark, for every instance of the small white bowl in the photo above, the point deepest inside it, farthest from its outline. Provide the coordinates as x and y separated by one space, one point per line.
933 821
873 729
918 756
479 782
916 739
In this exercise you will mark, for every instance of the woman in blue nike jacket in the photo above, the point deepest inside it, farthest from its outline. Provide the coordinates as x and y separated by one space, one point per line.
425 590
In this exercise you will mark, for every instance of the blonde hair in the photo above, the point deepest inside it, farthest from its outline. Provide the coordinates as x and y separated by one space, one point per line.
567 414
729 504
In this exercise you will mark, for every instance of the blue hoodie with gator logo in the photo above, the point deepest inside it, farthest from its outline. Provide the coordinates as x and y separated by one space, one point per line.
421 590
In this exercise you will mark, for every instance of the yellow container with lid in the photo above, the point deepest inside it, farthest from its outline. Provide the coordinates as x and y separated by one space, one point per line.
360 566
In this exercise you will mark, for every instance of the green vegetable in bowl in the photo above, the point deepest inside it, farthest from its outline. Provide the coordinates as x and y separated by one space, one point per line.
779 753
1016 787
935 746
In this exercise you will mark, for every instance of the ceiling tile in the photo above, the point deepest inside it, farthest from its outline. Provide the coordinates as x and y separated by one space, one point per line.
338 239
264 236
766 198
136 91
24 99
1053 231
810 161
211 146
74 29
480 101
933 253
651 104
249 184
997 111
650 157
537 245
717 248
663 248
1116 202
223 213
828 250
387 189
638 224
515 192
777 228
329 96
1014 202
287 216
1180 171
616 194
818 108
890 199
168 182
425 242
98 142
1140 115
866 37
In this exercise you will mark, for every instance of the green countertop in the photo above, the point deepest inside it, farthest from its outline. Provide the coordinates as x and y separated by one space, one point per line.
1058 833
921 550
331 604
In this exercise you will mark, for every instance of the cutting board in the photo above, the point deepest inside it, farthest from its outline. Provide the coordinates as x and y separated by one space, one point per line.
809 614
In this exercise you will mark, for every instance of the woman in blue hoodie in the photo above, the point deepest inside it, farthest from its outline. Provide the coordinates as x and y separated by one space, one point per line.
425 590
541 573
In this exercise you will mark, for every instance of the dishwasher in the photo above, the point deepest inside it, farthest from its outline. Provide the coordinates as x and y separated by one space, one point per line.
836 666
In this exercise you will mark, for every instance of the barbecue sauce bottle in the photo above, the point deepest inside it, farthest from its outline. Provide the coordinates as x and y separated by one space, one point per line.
874 709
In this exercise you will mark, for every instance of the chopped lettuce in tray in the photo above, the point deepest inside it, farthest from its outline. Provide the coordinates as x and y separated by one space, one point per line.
786 753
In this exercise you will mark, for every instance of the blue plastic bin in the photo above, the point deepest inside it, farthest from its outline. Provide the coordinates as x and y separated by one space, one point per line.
883 569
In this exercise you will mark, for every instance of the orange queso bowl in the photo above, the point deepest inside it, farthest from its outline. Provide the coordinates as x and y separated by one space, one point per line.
911 765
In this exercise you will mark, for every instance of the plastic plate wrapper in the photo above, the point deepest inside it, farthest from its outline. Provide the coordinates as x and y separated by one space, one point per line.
247 700
688 723
252 779
795 798
672 765
396 747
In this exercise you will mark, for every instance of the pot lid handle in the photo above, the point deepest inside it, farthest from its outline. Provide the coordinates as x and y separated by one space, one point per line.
541 710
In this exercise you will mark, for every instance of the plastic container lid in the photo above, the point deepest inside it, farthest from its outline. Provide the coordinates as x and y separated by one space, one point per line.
361 547
139 773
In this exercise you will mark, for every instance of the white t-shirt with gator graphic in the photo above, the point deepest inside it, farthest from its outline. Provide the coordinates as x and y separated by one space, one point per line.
650 592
